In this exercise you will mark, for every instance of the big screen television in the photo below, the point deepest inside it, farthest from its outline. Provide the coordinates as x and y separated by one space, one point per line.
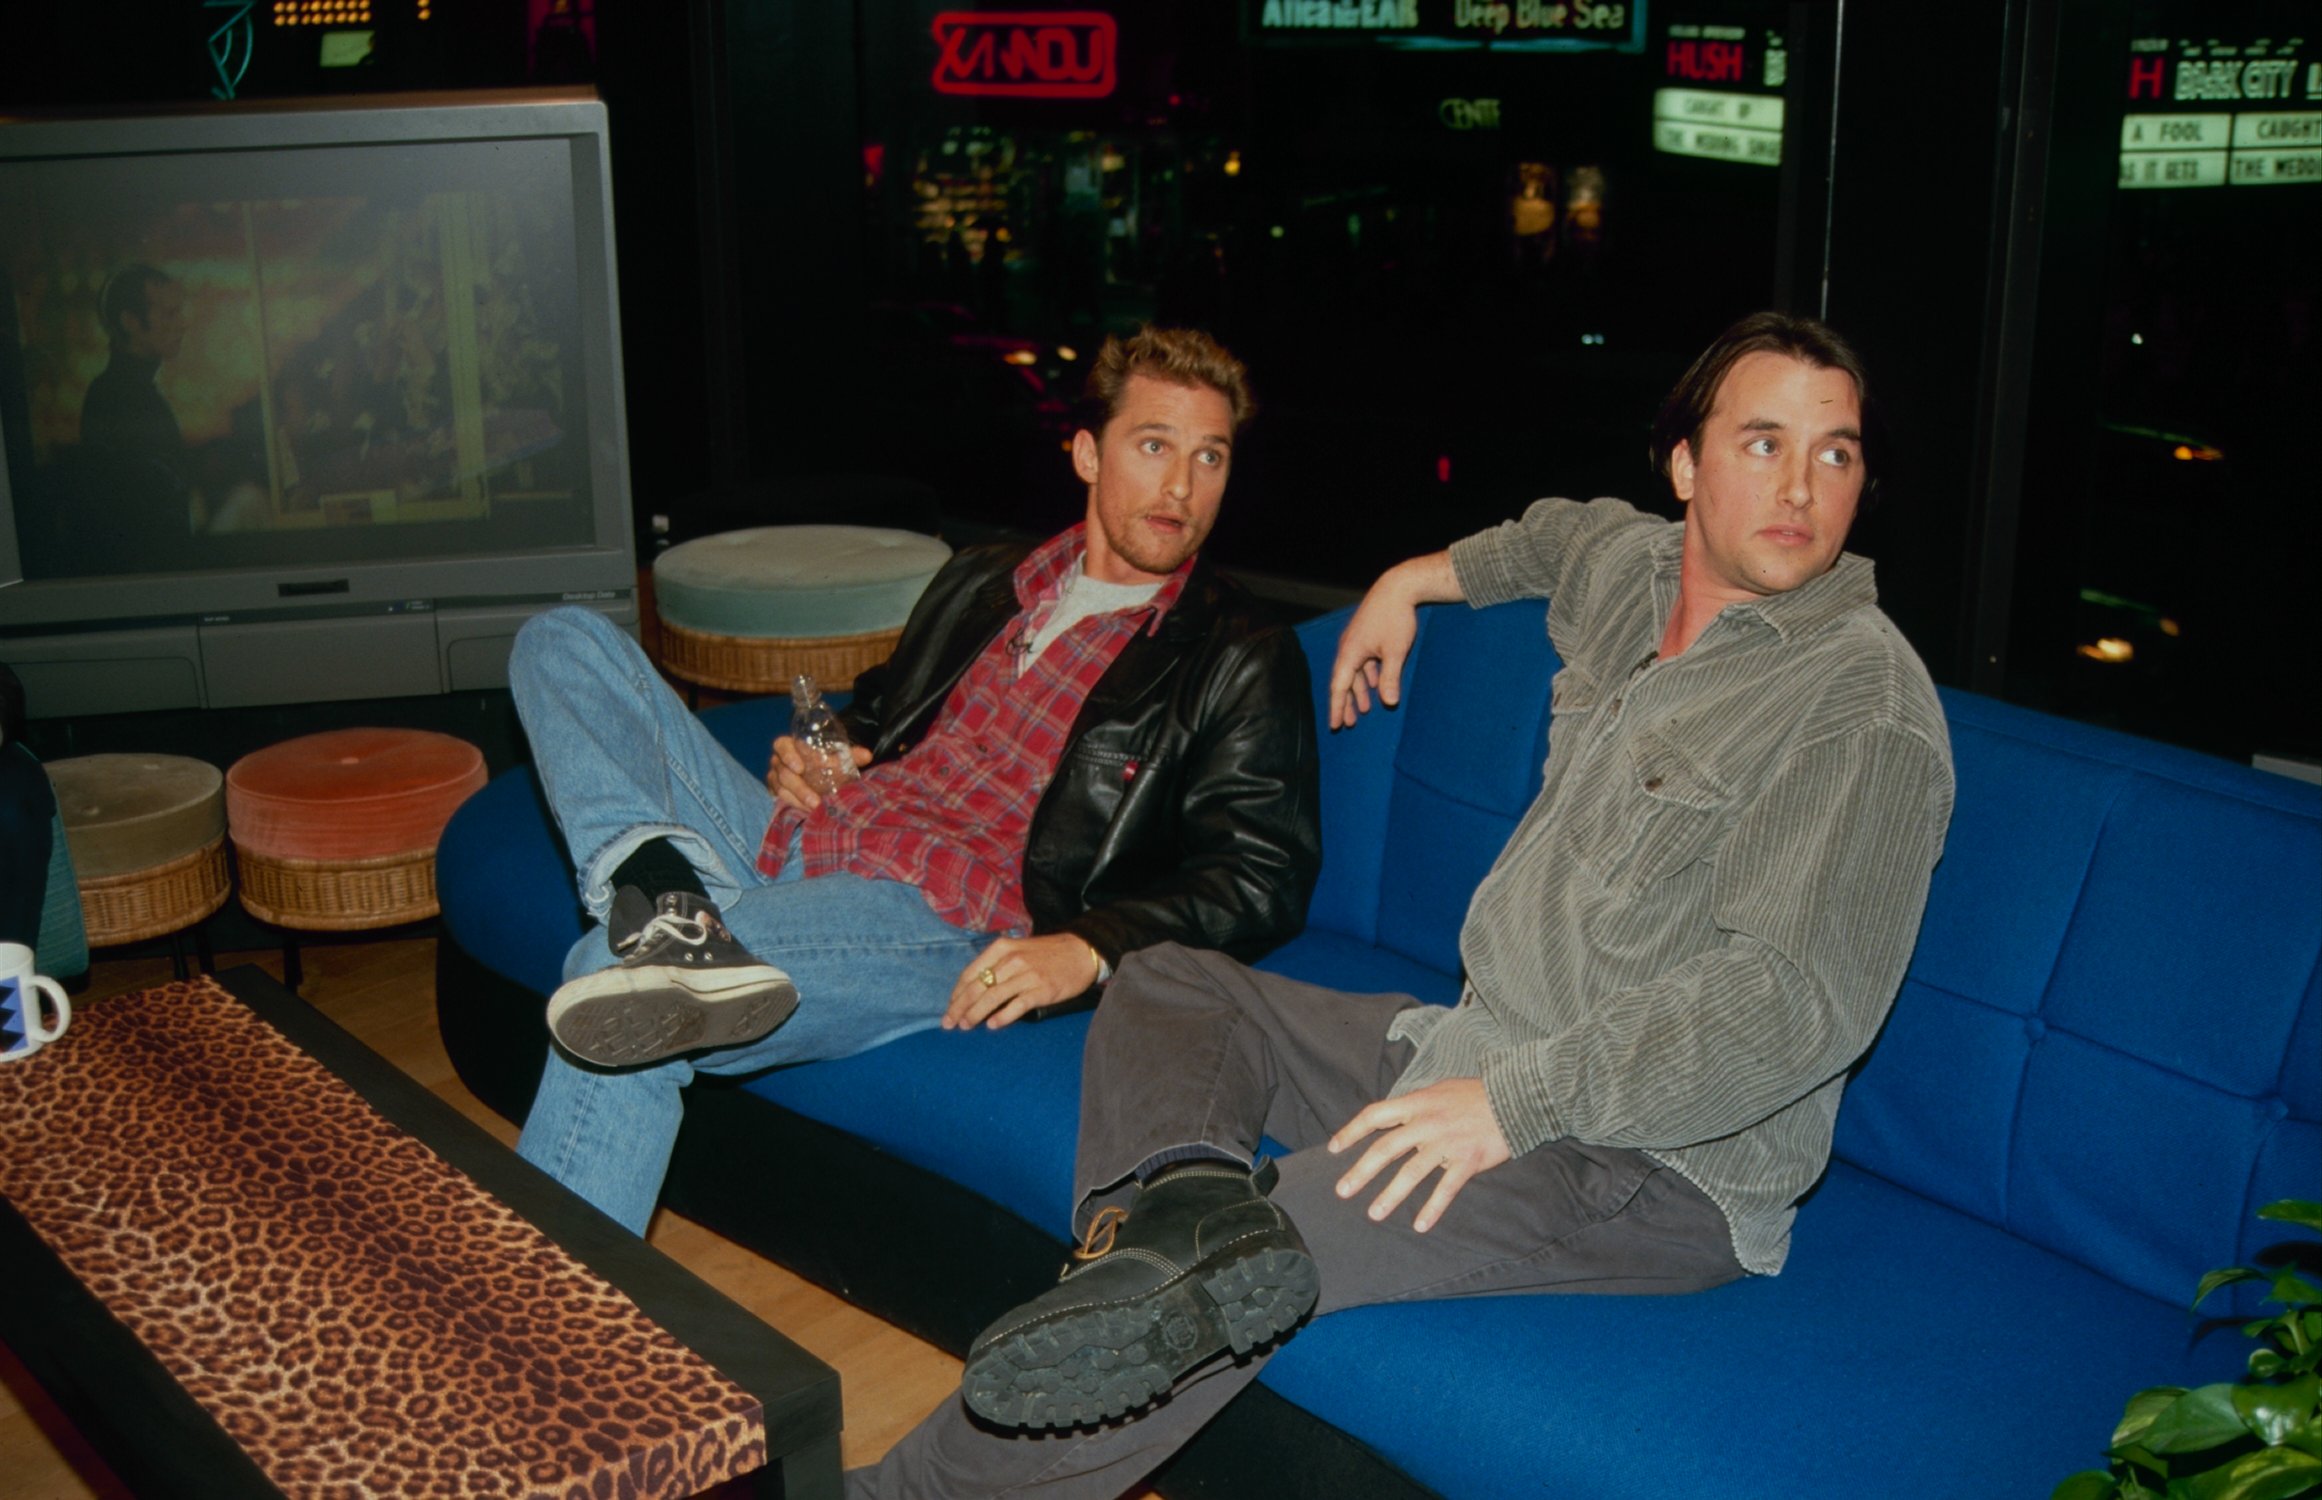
305 400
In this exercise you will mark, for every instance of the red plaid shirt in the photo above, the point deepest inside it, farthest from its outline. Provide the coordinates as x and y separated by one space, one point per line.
952 817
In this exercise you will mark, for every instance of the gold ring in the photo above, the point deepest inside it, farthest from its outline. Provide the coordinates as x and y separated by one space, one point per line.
987 979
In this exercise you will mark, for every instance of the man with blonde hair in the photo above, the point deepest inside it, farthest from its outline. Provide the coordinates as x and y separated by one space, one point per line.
1078 750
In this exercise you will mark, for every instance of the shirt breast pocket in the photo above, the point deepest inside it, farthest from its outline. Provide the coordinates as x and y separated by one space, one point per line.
1670 813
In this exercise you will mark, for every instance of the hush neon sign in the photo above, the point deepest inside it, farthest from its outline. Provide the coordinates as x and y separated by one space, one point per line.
1059 54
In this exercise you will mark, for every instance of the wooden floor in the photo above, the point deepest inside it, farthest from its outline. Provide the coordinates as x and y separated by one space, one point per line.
384 993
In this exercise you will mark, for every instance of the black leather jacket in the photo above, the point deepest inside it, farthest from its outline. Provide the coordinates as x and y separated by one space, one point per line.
1185 806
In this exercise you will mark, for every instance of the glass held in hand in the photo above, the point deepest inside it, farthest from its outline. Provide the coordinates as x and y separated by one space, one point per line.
822 738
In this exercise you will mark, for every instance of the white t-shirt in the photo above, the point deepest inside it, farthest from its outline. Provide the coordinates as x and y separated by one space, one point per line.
1082 597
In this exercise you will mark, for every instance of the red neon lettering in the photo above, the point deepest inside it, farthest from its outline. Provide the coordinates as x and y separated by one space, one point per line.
1063 54
2145 76
1705 62
977 59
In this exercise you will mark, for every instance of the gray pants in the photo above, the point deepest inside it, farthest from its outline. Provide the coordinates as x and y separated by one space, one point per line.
1192 1047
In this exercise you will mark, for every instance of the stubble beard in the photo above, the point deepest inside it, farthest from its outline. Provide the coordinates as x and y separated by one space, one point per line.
1150 554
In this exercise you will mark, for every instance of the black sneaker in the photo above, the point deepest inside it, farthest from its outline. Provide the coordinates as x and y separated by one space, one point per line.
682 984
1201 1263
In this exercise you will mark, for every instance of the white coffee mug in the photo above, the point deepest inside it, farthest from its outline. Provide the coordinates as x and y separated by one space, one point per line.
23 1030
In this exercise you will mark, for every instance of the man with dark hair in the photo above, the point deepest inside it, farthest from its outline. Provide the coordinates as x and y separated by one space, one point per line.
131 497
1077 750
123 413
1685 410
1693 934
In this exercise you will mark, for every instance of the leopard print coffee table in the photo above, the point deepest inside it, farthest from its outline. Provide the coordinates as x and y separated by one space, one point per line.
352 1310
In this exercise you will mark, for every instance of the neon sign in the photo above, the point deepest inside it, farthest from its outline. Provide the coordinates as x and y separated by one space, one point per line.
1059 54
232 44
1700 61
2274 146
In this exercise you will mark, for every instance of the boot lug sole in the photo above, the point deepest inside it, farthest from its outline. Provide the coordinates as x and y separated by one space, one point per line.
1090 1366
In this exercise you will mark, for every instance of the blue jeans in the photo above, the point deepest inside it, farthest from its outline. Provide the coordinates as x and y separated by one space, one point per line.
622 761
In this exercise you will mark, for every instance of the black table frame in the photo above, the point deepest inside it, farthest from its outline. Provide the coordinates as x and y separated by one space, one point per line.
160 1441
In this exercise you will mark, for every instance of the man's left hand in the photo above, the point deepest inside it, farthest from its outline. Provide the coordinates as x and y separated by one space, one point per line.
1447 1125
1027 973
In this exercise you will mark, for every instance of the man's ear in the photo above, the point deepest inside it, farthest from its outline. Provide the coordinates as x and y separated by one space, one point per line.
1681 469
1084 456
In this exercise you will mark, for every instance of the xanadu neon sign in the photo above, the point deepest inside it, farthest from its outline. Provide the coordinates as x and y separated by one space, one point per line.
1044 54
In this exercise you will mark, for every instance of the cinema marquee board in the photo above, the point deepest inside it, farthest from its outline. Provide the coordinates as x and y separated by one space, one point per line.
1739 118
2210 113
1438 25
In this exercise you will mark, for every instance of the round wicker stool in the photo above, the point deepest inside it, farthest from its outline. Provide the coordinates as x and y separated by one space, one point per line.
336 832
148 839
746 611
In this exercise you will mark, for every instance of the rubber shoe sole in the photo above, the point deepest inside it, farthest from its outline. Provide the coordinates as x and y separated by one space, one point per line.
1085 1367
619 1018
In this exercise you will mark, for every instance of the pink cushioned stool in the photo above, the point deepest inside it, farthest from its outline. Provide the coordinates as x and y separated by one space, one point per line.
336 832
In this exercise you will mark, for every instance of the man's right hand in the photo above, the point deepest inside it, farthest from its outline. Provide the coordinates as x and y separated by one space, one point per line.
786 774
1376 640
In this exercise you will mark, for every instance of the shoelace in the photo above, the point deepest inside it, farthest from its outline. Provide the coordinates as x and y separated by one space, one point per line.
693 931
1104 1226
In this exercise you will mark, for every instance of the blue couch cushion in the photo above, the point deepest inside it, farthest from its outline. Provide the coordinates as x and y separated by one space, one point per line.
996 1111
1905 1349
505 885
1358 781
2119 943
1341 963
1445 776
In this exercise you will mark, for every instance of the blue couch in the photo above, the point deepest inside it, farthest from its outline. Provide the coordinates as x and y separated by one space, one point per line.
2107 1055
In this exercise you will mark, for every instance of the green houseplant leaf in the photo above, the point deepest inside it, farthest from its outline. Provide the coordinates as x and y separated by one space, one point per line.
2268 1474
2142 1408
2224 1276
2294 1211
2201 1418
2259 1438
2273 1412
2293 1290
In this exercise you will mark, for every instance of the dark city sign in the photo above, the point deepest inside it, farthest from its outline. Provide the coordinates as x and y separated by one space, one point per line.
1044 54
2214 113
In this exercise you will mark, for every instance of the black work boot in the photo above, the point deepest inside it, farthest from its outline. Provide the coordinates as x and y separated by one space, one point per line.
1201 1263
682 984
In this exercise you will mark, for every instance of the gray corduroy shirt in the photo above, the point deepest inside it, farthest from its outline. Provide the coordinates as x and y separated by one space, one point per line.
1700 923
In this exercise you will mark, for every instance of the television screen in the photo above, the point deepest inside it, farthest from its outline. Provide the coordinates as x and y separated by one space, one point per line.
355 353
298 362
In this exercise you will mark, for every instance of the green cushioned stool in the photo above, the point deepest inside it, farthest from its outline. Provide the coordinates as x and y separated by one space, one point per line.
148 837
746 611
